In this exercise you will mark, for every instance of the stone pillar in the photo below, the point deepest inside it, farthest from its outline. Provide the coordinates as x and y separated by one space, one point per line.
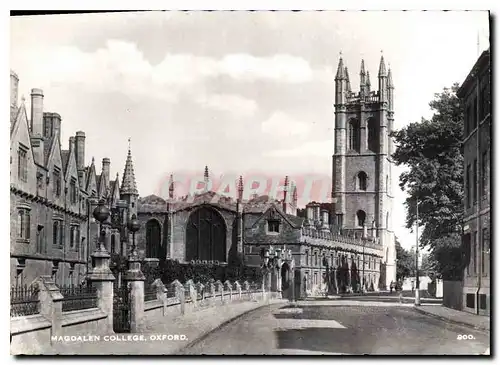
102 279
51 303
134 279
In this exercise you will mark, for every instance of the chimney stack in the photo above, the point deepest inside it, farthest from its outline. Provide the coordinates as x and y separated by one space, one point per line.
324 221
37 112
105 171
53 121
36 125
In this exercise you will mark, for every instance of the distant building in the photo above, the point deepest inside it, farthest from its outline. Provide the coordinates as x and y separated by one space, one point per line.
475 94
53 194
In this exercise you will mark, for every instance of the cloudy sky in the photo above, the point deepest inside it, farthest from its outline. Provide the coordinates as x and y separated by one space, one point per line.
236 91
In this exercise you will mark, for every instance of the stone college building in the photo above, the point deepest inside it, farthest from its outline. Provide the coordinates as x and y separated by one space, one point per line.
353 240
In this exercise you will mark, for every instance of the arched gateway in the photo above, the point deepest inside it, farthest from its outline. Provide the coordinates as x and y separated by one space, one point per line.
206 235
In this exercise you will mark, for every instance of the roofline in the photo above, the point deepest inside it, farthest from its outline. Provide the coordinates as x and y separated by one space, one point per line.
480 64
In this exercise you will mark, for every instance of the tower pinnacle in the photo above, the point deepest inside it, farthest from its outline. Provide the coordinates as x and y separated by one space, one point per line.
382 72
389 79
171 187
340 70
347 79
129 185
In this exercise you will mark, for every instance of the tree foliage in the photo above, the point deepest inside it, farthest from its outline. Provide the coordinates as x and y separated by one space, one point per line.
405 265
431 149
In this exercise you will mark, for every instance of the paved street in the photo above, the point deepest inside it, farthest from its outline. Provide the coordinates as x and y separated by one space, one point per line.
340 327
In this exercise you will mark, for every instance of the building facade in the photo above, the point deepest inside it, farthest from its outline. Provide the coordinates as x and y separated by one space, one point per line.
476 97
53 194
358 242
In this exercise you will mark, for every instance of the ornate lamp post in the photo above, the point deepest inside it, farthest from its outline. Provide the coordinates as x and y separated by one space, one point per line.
133 226
101 214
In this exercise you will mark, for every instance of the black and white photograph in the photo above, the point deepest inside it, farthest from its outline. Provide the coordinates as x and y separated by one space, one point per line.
250 182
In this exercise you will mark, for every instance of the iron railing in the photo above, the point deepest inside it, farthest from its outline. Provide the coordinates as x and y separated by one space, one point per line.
24 300
171 291
78 298
150 292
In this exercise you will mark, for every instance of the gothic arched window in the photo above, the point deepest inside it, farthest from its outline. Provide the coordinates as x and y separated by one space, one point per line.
362 178
361 217
153 239
354 135
373 142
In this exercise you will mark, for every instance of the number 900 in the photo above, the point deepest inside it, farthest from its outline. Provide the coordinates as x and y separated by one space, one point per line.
465 337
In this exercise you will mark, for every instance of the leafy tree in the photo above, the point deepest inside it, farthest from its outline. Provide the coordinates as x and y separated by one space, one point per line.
405 265
432 151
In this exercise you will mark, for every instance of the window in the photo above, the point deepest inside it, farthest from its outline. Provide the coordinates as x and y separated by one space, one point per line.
22 164
273 226
113 243
331 260
340 221
40 236
74 236
354 135
372 135
484 173
362 181
72 191
315 259
474 176
485 251
307 258
474 115
57 233
467 119
474 252
361 216
23 224
468 187
57 181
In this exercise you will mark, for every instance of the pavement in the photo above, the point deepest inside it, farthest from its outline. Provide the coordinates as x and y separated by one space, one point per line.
162 337
334 327
458 317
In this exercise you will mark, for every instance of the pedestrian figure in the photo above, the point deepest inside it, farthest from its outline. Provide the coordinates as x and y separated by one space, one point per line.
391 286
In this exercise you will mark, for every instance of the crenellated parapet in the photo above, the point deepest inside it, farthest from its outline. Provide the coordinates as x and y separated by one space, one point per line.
342 242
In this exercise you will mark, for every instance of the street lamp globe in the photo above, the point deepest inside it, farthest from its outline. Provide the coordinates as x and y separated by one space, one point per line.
101 212
133 225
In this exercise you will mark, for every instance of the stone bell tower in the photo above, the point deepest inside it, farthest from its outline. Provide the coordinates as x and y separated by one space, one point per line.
362 165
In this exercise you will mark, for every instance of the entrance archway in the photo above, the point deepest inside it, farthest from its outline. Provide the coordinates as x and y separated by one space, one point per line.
206 235
285 276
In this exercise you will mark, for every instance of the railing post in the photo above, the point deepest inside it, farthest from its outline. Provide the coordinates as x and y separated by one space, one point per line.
134 279
102 279
212 291
160 293
237 286
179 293
227 283
246 285
192 292
220 288
50 303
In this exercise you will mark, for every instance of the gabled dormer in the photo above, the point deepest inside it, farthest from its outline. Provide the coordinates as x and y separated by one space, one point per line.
71 177
55 167
91 185
22 161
